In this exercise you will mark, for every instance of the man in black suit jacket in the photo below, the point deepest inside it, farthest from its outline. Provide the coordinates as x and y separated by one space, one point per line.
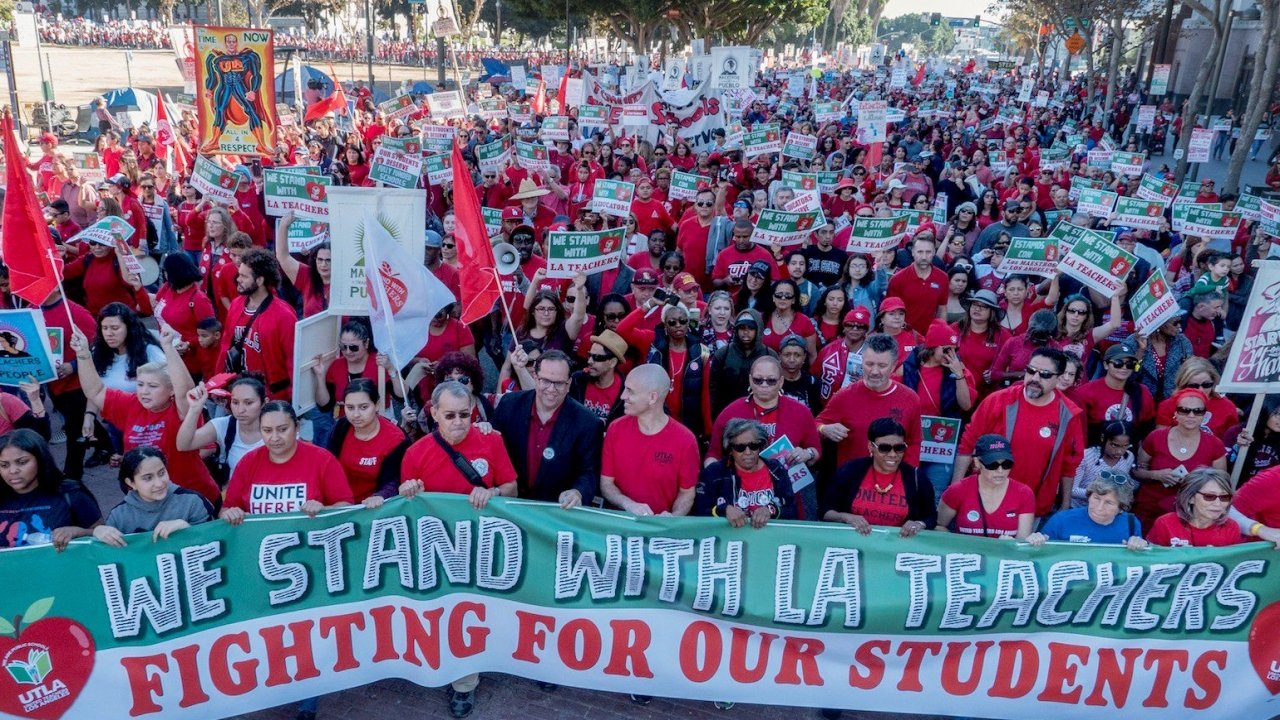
554 442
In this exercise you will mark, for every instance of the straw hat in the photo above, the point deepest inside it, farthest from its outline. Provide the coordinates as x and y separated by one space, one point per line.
529 189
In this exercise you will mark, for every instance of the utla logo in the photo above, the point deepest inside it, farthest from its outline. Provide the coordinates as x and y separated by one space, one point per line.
47 662
1264 646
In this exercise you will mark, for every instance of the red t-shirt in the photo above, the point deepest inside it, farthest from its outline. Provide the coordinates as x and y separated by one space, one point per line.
313 303
340 375
1201 334
260 486
930 388
801 326
1103 404
888 509
1170 531
362 460
599 400
1154 499
979 353
1258 499
972 518
790 418
650 469
922 296
1222 415
651 215
755 489
692 242
733 263
425 460
140 426
855 406
452 338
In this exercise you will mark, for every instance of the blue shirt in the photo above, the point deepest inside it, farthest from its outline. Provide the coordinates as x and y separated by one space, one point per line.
1076 526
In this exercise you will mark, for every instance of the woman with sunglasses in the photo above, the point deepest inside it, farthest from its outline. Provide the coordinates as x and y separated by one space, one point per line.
743 487
1161 354
1200 515
990 503
784 319
354 358
682 355
1169 453
1101 519
1076 324
1199 374
988 204
881 490
1117 395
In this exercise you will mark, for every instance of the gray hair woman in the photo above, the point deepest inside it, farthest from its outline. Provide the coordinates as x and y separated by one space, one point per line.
1201 515
1103 520
745 486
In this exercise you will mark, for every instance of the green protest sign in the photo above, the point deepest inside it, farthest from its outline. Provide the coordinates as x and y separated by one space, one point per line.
613 197
825 112
786 228
532 156
1139 213
800 146
799 181
492 220
397 107
438 168
1128 163
1031 256
438 139
105 231
1068 235
305 195
593 116
874 234
306 234
213 181
570 253
684 186
494 156
493 108
555 127
1153 304
1099 264
762 140
1096 203
827 181
397 167
1153 188
1206 221
1249 206
219 621
939 437
1080 183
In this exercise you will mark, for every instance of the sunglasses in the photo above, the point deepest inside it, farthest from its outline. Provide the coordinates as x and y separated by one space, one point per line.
677 322
1074 311
465 380
599 357
705 204
784 296
449 245
1201 386
614 316
1190 411
1215 497
351 348
764 381
1123 364
1001 465
1043 374
756 446
894 448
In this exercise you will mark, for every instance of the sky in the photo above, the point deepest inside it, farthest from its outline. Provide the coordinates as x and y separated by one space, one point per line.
951 8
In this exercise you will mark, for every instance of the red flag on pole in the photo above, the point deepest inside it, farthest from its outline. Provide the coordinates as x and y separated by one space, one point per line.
477 278
164 131
539 104
969 66
919 78
563 93
35 268
336 102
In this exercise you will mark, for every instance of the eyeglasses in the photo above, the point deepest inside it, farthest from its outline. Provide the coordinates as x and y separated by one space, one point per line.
1123 364
756 446
1202 386
677 322
705 204
764 381
544 309
465 380
1042 374
1077 311
599 357
351 348
891 448
784 296
553 384
1190 411
999 465
1215 497
450 246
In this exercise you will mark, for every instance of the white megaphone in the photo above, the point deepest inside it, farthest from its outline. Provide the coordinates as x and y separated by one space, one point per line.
506 258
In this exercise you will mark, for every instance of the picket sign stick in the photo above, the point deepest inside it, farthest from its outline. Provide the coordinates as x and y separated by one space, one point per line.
1252 422
506 311
65 306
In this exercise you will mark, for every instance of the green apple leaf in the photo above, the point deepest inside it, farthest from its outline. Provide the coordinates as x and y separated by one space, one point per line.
6 627
37 610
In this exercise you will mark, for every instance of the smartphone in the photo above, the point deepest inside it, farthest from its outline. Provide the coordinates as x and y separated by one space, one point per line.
256 167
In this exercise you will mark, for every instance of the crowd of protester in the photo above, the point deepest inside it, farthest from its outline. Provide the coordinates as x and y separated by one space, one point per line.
664 385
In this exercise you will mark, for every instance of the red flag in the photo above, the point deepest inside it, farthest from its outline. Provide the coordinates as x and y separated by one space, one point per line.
335 103
875 151
539 104
563 93
477 278
35 269
164 131
969 66
919 78
181 158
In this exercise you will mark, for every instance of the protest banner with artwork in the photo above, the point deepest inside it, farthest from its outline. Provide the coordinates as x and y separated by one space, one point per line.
873 234
303 194
24 350
1253 365
402 213
220 621
236 97
1098 263
591 253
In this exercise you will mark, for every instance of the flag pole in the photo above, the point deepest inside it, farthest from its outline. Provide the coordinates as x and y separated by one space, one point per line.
71 323
506 311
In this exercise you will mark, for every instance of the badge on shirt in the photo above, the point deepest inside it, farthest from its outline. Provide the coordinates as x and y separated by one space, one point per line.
481 466
548 454
1045 432
973 516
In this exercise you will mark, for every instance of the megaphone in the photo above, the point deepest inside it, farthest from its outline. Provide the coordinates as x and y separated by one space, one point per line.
506 257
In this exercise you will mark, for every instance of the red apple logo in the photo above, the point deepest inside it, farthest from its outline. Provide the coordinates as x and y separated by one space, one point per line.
1050 252
226 181
609 244
1264 646
46 663
1119 267
1157 288
315 191
397 291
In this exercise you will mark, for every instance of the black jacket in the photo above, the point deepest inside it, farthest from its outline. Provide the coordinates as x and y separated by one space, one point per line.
575 440
718 488
844 487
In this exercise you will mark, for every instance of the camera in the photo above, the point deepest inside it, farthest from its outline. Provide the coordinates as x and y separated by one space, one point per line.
664 296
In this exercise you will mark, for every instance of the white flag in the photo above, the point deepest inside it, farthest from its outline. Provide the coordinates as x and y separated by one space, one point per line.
404 295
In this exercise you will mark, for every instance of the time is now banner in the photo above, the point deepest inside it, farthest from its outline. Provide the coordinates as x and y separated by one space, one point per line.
218 621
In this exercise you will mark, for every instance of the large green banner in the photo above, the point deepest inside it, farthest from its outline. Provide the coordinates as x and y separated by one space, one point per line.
218 621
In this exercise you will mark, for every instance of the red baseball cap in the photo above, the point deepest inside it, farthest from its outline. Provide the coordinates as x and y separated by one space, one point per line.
858 316
940 335
892 303
513 212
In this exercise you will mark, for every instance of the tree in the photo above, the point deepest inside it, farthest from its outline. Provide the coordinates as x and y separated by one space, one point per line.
1260 88
1215 14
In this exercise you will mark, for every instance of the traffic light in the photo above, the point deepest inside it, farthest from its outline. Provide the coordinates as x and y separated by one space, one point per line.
977 20
935 19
